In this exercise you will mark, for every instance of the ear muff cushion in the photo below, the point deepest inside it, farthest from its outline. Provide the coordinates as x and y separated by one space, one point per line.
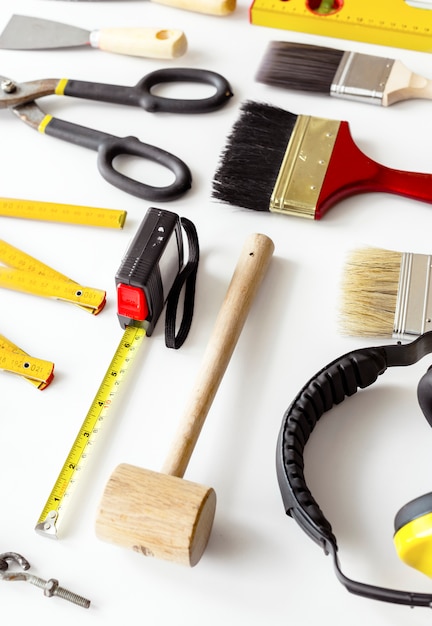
413 534
412 510
328 387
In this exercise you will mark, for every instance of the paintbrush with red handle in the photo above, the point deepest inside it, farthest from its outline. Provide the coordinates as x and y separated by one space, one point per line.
301 165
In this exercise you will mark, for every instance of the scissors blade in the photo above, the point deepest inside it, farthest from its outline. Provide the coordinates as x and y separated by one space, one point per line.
13 93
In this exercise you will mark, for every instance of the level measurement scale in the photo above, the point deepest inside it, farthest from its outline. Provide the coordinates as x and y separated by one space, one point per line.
66 213
52 513
387 22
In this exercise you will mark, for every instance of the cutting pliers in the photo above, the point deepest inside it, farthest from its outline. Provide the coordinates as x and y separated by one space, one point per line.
20 99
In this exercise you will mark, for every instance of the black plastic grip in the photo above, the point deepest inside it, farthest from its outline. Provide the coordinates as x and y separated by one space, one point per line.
109 147
141 94
341 378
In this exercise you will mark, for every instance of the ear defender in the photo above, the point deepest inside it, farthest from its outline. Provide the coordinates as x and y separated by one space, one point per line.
413 523
413 534
334 383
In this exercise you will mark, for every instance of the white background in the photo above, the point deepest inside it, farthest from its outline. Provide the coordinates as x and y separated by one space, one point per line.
364 460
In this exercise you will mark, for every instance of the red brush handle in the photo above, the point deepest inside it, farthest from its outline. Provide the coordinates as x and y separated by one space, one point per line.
350 172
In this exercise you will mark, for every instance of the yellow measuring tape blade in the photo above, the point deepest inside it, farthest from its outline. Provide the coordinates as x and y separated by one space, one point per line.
53 511
26 274
387 22
66 213
12 359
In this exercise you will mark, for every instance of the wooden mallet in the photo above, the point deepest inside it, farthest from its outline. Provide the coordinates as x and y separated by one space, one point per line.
161 514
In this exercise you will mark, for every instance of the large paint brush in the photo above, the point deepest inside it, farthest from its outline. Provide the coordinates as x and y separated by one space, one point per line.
342 74
386 294
301 165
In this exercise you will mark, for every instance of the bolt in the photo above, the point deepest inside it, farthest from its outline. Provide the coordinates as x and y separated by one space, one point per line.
51 588
8 86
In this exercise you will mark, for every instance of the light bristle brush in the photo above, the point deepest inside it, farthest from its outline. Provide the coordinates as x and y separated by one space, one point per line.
342 74
301 165
386 293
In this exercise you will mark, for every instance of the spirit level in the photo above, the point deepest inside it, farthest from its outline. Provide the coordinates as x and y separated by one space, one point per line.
144 280
66 213
387 22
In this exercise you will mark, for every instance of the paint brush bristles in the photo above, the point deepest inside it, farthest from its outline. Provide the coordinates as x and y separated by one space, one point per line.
299 67
342 74
301 165
386 294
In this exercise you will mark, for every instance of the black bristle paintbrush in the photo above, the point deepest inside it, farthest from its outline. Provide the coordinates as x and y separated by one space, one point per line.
386 294
301 165
342 74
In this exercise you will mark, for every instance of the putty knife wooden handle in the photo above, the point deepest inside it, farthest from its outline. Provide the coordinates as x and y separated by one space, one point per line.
141 42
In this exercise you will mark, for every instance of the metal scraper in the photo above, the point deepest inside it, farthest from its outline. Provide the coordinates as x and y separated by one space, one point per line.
32 33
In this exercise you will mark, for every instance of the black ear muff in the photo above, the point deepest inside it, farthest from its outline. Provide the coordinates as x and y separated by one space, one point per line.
331 385
424 395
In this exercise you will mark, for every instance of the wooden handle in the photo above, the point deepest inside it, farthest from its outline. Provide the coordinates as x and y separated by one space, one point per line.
156 43
209 7
250 270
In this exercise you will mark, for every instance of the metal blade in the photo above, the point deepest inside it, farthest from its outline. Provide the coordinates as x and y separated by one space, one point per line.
33 33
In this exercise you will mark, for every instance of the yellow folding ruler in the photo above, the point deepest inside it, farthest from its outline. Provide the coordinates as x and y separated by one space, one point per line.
386 22
66 213
12 359
24 273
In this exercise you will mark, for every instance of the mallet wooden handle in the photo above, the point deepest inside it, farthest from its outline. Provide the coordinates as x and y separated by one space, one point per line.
251 267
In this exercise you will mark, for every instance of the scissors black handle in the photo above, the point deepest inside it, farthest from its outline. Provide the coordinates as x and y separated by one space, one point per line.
141 95
108 147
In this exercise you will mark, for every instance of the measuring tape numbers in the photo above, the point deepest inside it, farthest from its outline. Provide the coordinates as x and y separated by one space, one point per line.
52 513
387 22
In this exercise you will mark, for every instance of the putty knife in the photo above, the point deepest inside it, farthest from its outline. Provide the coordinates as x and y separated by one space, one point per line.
32 33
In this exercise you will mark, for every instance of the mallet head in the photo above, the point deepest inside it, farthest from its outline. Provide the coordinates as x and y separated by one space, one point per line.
156 514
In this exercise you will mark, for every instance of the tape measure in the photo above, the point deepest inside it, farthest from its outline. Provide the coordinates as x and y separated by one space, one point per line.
26 274
144 280
66 213
387 22
52 514
12 359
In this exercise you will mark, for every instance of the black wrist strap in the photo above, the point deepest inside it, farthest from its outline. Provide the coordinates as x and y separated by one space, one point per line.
187 279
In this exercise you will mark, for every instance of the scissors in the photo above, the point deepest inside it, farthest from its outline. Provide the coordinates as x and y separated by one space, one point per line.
20 99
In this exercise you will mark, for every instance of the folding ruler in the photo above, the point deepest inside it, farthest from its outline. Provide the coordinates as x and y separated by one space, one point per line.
384 22
66 213
38 372
22 272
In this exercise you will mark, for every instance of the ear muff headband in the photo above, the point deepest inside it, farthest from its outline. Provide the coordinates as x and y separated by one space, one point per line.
331 385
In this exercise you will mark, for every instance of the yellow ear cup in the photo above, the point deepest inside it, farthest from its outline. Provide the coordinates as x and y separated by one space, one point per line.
413 534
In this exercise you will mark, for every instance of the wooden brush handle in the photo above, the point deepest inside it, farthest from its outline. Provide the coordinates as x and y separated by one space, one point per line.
209 7
250 270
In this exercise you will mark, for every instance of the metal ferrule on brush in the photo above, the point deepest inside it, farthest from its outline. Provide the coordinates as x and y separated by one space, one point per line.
304 166
413 312
361 77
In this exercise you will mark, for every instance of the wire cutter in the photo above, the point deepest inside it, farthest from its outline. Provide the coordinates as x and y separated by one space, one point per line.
20 99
